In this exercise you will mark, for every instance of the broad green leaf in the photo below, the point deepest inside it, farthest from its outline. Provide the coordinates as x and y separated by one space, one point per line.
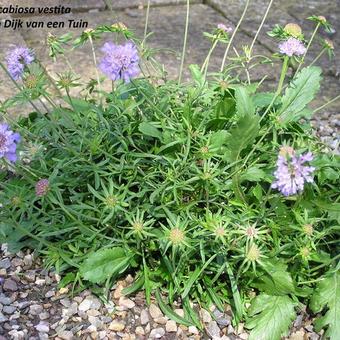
300 92
270 316
263 99
327 295
242 135
103 264
253 174
244 103
148 129
276 280
217 139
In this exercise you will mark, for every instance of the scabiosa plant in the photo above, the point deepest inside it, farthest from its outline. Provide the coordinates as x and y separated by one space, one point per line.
120 61
41 187
17 59
292 47
292 173
8 143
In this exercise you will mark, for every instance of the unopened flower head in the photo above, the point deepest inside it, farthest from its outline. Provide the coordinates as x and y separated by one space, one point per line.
293 29
176 236
329 44
41 187
253 253
305 253
322 19
8 143
291 173
224 28
120 61
292 46
17 59
308 229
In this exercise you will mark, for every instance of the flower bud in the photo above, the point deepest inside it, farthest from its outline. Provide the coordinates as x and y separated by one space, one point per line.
293 29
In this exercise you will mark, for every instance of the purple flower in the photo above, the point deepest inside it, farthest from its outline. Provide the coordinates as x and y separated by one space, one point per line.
292 47
292 173
120 61
41 187
8 143
226 29
17 59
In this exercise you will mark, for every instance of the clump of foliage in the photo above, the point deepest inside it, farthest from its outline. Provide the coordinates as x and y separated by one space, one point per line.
173 182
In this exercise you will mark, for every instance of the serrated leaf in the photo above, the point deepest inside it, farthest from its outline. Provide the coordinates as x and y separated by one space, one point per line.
299 93
253 174
148 129
327 295
103 264
244 103
276 280
270 317
242 135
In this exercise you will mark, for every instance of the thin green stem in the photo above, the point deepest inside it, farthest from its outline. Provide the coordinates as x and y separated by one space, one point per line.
283 75
95 62
326 104
184 42
146 21
18 87
308 46
318 57
261 25
205 64
233 35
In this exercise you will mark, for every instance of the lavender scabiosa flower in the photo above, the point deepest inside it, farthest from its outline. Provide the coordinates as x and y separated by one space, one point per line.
41 187
292 173
17 59
120 61
8 143
291 47
226 29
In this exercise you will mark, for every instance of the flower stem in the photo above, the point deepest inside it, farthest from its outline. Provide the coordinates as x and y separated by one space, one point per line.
326 104
184 42
283 75
261 25
205 64
308 46
18 87
233 35
95 62
146 21
318 57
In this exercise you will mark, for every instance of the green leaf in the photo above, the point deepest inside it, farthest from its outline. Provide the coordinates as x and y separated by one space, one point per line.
253 174
196 74
270 317
244 103
276 280
327 295
242 135
194 277
104 263
169 312
300 92
148 129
